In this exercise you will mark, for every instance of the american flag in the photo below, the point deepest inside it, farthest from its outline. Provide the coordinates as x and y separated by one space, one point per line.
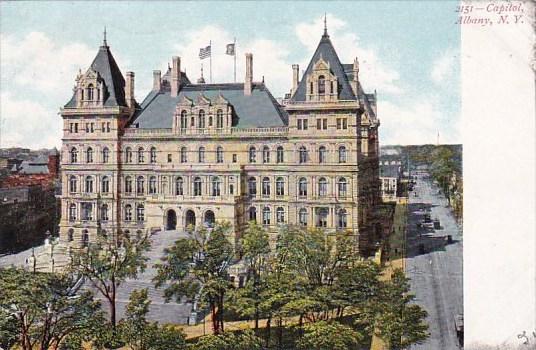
204 52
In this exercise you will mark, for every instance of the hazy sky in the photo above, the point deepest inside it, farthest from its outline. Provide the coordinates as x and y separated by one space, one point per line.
408 52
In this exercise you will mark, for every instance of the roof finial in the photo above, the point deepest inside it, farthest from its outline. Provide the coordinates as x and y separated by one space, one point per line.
325 24
104 43
202 79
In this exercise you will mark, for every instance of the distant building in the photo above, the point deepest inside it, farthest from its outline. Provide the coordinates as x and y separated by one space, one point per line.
390 177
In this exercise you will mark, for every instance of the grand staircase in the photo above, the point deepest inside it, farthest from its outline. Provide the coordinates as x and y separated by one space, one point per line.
172 312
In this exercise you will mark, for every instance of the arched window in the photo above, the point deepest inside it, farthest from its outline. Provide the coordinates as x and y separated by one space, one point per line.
105 155
140 185
74 155
253 214
266 214
342 187
140 213
280 186
302 217
89 92
252 154
265 186
198 184
219 154
280 215
311 88
303 154
321 85
219 119
87 211
209 120
128 184
179 186
201 154
201 121
322 187
252 186
322 217
266 154
302 187
89 184
104 212
153 155
342 154
280 154
342 220
128 155
184 120
332 90
89 155
128 212
73 184
322 154
216 185
184 155
72 212
141 156
105 184
152 185
70 235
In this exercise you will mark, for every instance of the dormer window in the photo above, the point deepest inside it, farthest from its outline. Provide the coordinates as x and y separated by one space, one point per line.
321 85
201 122
184 120
89 92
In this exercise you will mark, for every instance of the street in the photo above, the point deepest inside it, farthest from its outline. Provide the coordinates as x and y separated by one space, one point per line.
434 264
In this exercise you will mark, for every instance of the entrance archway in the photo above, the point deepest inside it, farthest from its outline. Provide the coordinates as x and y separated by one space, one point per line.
190 219
209 218
171 221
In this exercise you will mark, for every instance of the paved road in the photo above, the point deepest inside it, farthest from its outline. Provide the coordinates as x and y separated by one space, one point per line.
436 274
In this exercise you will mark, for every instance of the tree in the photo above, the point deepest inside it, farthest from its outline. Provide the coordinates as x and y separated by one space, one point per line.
228 341
197 267
107 263
140 334
324 335
44 311
398 321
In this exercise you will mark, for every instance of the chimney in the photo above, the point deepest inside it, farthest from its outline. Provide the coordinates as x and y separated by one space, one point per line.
248 83
157 80
175 76
295 77
129 89
356 69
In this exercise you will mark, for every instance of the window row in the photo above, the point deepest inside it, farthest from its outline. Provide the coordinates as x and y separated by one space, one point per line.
303 154
322 215
86 212
89 184
321 123
91 127
197 186
89 155
322 187
202 120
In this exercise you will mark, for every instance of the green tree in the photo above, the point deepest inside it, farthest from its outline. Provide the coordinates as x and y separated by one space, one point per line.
43 311
228 341
140 334
107 263
398 321
329 335
198 265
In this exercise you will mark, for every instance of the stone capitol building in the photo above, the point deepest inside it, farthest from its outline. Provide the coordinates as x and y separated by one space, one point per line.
197 153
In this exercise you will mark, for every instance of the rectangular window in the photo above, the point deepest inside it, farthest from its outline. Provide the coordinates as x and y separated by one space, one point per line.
92 127
103 127
234 158
71 128
300 124
75 127
231 188
325 124
319 124
339 123
87 127
169 158
305 122
345 124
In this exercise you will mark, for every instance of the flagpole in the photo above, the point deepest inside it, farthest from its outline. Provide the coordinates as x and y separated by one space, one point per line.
210 44
234 59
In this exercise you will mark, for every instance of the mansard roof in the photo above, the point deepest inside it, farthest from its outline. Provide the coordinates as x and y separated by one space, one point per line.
260 109
104 64
326 51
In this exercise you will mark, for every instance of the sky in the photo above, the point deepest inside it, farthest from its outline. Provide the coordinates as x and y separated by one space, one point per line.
408 52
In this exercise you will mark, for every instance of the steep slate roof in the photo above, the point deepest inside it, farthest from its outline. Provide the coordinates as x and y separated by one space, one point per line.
326 50
104 63
260 109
